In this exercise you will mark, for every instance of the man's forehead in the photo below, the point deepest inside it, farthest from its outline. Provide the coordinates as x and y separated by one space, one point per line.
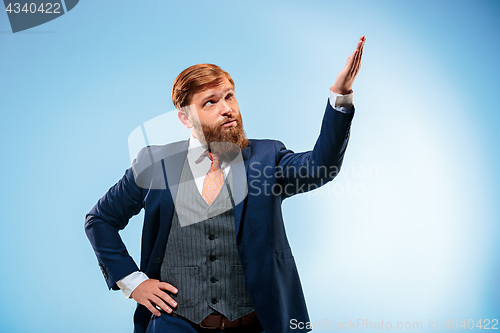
221 85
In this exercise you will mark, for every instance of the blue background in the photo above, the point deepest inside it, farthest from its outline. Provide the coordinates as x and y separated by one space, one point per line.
409 230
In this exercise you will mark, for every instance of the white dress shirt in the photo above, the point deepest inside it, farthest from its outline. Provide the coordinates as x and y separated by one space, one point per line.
200 163
199 167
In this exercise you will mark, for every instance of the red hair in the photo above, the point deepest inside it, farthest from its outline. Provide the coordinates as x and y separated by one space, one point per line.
194 79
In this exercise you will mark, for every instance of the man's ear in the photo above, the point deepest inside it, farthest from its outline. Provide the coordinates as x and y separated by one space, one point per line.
184 118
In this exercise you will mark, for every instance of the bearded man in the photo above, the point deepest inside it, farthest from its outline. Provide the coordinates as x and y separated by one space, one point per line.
214 254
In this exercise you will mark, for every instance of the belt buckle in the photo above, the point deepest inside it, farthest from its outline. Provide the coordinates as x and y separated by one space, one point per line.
208 327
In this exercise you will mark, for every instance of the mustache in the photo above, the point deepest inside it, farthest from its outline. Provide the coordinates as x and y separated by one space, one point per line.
227 120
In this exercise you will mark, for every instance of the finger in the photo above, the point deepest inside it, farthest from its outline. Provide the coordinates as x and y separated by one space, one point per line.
357 64
166 298
350 61
348 64
158 301
358 46
360 56
152 309
352 69
168 286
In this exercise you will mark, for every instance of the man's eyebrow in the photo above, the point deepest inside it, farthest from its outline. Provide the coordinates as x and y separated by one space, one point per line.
208 97
213 95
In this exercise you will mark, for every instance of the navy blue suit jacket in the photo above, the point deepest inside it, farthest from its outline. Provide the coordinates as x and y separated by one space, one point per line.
273 173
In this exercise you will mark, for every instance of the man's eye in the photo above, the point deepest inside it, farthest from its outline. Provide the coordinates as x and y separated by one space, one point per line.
209 103
229 96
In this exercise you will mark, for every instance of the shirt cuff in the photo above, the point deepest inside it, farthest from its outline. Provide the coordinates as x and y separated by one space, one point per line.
341 103
131 281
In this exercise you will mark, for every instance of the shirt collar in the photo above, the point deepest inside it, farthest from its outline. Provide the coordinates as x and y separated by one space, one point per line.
196 152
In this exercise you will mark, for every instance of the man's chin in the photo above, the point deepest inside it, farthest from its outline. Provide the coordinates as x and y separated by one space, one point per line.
225 139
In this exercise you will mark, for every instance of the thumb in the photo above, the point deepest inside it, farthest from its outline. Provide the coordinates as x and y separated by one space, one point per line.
350 60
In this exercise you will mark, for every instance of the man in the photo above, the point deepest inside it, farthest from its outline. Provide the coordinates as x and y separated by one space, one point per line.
214 255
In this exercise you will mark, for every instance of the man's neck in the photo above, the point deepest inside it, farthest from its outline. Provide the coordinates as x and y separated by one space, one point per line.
194 142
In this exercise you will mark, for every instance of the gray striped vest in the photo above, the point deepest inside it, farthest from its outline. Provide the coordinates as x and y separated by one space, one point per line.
201 258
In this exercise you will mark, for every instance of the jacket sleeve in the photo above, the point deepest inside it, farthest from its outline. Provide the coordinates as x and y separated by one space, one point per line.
302 172
111 214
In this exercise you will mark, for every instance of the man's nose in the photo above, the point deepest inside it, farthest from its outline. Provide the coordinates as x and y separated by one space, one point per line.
224 107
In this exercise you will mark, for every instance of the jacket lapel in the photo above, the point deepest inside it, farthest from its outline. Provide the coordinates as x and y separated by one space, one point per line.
240 186
171 163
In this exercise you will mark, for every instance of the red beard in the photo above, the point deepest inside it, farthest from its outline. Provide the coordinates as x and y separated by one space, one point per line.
224 140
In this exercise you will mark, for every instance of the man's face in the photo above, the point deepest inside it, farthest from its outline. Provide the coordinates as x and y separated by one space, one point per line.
215 117
217 105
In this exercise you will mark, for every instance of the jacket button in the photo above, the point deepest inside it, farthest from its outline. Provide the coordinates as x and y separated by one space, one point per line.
211 237
158 260
213 258
214 301
213 280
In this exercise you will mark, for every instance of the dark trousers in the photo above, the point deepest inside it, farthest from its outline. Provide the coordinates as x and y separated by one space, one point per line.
169 324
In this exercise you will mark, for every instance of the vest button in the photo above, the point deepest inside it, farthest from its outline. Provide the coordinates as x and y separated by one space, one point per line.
214 301
211 237
213 280
213 258
158 260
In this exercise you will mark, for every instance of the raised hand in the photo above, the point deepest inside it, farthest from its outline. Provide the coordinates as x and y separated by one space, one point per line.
345 79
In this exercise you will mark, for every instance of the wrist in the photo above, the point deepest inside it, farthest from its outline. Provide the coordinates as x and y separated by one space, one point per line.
129 283
340 91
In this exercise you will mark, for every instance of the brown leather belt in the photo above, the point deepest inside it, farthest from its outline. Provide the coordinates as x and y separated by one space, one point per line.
219 321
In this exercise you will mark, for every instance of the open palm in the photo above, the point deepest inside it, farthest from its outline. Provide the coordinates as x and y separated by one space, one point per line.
345 79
